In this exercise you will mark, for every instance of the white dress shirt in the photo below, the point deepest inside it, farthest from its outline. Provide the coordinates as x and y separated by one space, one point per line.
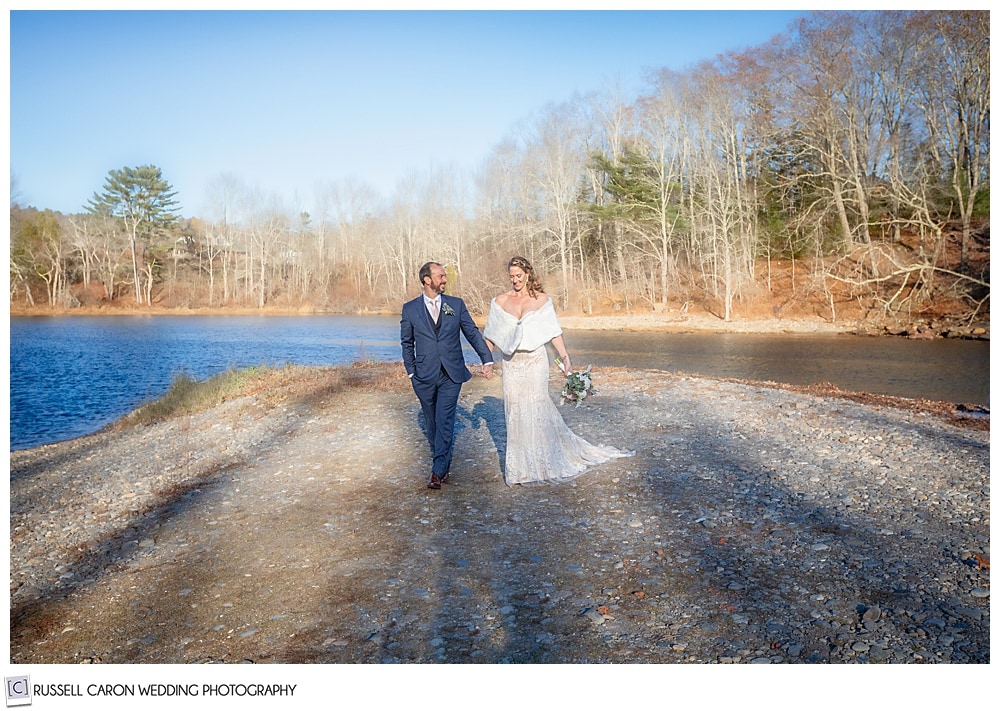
433 307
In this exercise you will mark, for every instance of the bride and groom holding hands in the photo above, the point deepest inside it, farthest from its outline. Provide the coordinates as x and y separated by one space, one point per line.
540 446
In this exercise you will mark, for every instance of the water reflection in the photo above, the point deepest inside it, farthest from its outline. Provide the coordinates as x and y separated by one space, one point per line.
948 370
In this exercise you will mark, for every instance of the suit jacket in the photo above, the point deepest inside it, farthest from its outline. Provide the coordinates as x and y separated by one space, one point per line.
426 350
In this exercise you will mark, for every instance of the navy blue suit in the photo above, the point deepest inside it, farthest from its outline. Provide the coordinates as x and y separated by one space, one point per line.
433 358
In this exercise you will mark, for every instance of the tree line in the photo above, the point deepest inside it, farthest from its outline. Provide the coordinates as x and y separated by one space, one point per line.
848 150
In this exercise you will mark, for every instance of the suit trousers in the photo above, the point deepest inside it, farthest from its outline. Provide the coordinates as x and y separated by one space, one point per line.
439 402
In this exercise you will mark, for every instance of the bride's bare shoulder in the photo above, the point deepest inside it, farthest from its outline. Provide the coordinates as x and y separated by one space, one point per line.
503 298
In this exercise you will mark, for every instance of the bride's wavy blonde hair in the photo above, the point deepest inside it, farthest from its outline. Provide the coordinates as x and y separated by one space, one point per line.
532 283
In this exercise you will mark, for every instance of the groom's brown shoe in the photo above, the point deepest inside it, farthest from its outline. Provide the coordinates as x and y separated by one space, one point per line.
444 477
434 482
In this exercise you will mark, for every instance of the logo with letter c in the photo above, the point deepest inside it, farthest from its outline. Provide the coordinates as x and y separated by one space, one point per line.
18 690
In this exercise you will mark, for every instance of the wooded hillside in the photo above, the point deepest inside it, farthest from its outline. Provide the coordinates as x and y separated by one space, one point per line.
842 171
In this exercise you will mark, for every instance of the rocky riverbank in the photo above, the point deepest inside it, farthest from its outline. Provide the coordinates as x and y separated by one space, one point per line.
668 322
754 525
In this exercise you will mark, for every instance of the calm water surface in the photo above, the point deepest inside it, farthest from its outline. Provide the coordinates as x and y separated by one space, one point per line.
70 376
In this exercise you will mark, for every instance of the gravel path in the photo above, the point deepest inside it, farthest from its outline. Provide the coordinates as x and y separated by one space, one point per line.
754 525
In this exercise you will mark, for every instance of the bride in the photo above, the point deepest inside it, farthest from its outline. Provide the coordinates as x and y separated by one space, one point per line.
540 447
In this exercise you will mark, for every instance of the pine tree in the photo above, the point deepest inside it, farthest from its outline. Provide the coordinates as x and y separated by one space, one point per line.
143 201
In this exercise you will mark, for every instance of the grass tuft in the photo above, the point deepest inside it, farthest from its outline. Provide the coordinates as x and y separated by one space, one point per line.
269 385
187 395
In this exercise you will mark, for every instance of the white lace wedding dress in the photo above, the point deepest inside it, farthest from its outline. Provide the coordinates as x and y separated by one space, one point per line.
541 448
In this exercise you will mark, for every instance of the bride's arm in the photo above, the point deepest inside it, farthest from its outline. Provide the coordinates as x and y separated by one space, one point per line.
490 344
563 354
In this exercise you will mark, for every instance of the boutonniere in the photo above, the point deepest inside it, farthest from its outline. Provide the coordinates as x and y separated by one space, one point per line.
447 310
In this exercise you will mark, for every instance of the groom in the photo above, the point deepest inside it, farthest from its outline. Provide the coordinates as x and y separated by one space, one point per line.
432 356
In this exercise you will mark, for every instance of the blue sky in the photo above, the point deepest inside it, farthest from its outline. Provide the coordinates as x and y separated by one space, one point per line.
290 100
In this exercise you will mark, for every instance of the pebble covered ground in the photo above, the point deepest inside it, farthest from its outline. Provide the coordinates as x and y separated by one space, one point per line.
754 525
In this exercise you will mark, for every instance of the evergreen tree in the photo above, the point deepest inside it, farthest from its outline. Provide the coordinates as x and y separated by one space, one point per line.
143 201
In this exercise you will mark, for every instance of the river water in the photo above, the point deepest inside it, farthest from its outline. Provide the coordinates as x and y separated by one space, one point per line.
70 376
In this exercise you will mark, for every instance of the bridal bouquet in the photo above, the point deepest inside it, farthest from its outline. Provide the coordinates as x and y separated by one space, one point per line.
579 385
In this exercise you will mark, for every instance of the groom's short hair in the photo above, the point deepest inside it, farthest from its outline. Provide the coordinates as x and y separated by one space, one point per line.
425 271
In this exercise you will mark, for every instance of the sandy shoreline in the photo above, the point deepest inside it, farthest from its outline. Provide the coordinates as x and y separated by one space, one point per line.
616 322
674 324
664 322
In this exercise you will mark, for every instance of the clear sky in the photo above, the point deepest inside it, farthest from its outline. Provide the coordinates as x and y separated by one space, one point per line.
290 100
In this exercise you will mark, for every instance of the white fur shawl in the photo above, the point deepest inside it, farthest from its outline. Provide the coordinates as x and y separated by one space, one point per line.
535 329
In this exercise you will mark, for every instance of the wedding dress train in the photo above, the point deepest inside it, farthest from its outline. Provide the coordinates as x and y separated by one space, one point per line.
540 446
